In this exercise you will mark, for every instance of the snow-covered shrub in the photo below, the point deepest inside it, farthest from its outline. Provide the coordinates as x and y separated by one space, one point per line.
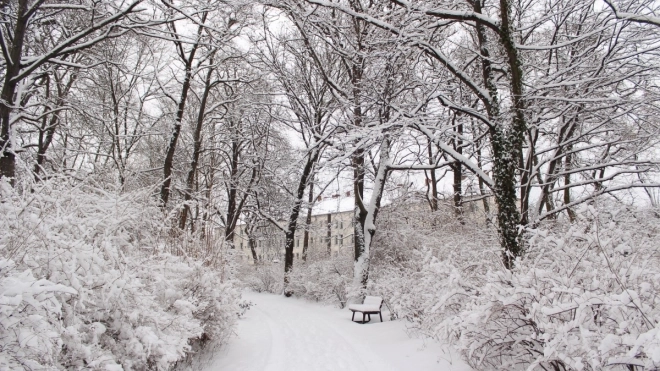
84 283
324 280
263 277
427 265
29 318
584 297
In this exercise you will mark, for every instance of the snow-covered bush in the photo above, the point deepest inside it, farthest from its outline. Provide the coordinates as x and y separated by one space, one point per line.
29 318
84 283
263 277
583 297
421 259
324 280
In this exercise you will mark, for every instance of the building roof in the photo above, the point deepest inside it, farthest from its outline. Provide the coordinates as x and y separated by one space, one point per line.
331 205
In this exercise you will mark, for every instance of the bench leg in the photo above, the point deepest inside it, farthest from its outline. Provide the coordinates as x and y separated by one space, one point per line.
353 318
363 317
381 316
369 316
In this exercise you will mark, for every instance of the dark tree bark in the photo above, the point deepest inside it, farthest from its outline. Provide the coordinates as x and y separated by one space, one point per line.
290 233
8 159
507 145
308 219
252 242
360 211
483 192
197 145
49 126
565 132
236 197
457 169
506 142
567 182
185 88
433 181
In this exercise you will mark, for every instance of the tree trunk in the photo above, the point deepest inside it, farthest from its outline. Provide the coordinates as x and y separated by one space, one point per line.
253 248
232 196
360 215
358 163
433 186
565 133
457 169
197 146
506 142
308 219
482 186
235 201
290 233
526 168
7 97
176 130
252 243
567 182
368 225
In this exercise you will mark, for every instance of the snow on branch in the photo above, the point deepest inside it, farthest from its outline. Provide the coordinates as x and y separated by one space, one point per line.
647 19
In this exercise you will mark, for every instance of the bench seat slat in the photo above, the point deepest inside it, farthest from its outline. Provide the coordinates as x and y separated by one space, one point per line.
364 307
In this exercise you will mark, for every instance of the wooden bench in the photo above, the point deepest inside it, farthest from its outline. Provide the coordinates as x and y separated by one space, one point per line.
371 305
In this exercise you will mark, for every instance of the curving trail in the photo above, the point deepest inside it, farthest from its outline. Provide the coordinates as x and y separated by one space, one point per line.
280 333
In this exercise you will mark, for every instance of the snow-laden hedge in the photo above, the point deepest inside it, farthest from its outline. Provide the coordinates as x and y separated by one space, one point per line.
263 277
321 280
84 283
584 296
324 280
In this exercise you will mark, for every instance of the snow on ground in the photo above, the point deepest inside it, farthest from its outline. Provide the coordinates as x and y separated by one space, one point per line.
280 333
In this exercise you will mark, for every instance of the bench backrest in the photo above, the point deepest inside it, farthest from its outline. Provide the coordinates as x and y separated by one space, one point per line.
373 300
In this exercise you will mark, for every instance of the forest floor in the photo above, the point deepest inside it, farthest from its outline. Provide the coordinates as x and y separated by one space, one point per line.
279 333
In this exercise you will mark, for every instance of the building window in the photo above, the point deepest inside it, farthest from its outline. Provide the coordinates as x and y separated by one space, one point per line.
297 242
341 239
241 245
297 255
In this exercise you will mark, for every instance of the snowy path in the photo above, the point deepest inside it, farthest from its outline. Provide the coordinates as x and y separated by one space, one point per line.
280 334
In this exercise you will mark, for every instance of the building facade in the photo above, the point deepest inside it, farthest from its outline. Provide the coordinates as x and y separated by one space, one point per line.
330 234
